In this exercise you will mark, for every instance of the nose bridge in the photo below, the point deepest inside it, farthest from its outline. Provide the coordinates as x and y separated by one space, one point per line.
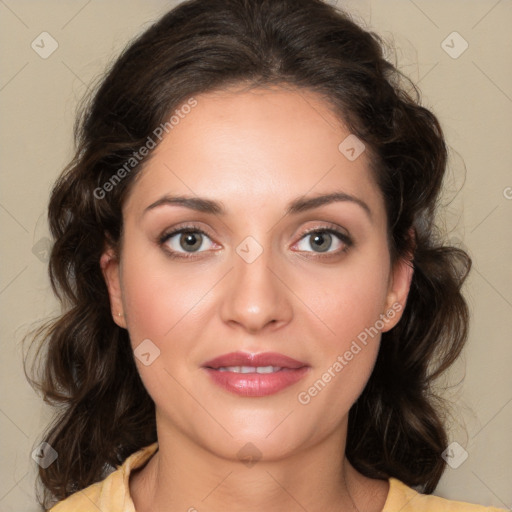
255 296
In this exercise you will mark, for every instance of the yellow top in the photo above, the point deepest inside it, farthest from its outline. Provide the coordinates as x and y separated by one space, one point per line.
113 494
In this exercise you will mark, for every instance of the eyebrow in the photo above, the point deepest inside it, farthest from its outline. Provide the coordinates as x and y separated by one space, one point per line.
299 205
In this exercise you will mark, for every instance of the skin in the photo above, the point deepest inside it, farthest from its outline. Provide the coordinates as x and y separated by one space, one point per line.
254 151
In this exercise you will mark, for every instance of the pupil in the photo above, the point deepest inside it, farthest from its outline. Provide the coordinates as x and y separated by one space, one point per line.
323 237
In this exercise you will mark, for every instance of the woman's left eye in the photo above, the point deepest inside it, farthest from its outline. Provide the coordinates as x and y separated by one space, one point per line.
322 241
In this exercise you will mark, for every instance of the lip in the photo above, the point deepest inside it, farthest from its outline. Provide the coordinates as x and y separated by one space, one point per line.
261 359
255 384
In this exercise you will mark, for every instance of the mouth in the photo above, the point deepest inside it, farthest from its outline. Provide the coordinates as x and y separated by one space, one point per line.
255 375
249 369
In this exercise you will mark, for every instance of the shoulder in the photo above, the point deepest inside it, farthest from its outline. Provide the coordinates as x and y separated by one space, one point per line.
404 498
112 493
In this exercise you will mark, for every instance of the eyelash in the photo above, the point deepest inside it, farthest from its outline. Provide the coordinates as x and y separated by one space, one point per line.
344 238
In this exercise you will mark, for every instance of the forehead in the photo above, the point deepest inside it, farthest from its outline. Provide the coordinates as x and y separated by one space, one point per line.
254 148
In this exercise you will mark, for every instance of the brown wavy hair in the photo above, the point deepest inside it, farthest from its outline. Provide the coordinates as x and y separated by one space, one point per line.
104 413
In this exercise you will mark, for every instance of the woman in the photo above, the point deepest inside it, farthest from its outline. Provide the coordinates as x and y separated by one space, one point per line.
258 300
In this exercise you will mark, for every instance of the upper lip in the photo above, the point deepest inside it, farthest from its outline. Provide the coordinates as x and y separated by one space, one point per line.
247 359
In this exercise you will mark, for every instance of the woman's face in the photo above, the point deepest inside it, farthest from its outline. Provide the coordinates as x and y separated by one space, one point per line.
255 282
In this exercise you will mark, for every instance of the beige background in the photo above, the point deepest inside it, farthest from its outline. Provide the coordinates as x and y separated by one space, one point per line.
471 94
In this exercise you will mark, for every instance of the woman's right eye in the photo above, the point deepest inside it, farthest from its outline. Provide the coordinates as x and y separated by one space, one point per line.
184 240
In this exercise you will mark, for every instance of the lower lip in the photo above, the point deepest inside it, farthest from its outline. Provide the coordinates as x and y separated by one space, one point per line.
257 384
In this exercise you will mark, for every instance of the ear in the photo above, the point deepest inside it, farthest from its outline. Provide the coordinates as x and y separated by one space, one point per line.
109 264
398 290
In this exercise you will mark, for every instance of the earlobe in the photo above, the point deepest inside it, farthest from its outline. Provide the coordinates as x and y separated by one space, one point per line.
109 264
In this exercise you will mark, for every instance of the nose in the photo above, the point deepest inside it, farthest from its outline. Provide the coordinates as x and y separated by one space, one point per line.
256 296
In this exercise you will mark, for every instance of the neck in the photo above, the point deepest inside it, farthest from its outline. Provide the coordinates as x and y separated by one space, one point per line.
183 476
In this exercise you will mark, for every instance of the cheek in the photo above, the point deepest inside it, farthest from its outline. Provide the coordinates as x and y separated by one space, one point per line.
163 303
159 295
347 300
350 306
